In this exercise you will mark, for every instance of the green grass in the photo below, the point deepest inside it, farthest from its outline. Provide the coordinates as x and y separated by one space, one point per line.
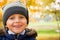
47 31
47 35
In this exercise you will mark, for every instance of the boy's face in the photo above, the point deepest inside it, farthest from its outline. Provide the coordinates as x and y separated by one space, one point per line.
16 23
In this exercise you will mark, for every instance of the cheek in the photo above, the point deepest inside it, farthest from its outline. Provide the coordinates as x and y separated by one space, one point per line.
8 23
24 21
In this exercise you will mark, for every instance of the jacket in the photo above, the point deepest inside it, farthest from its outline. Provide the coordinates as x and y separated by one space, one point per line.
30 34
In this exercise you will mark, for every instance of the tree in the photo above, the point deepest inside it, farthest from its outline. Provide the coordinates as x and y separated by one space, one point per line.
3 2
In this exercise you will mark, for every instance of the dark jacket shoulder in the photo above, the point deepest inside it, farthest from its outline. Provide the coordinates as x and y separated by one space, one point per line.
31 32
30 35
2 32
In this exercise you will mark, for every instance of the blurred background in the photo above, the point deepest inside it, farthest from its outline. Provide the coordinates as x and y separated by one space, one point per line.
44 17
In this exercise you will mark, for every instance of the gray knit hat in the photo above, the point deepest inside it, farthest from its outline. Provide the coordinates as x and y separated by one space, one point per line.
14 8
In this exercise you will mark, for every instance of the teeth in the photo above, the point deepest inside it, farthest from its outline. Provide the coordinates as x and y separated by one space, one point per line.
17 25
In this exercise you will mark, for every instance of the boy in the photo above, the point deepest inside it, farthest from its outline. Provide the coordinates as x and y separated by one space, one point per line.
15 20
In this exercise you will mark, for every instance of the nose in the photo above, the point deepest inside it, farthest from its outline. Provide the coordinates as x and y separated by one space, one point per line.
17 20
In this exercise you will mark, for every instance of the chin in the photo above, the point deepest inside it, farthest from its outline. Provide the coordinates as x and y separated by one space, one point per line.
17 32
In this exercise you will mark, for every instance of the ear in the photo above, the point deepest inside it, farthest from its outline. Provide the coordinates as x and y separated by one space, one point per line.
5 25
6 28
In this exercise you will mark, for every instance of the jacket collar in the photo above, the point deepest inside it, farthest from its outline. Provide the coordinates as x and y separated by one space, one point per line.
10 32
13 36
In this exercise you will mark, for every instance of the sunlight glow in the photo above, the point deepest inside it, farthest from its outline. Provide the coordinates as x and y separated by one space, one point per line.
1 0
41 3
46 7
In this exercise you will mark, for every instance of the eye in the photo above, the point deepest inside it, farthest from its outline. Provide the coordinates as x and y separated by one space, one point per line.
11 18
21 17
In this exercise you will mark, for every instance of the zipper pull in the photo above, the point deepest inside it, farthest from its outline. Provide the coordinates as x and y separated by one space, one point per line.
16 36
15 39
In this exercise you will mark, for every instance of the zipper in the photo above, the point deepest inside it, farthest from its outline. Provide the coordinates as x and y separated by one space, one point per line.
16 36
15 39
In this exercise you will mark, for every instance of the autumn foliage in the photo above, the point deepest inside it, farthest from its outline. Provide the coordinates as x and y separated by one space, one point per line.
0 17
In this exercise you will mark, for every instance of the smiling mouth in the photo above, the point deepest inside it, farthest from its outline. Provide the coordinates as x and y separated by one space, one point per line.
17 26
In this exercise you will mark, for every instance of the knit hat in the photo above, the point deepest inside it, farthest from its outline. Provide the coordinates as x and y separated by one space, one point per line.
14 8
